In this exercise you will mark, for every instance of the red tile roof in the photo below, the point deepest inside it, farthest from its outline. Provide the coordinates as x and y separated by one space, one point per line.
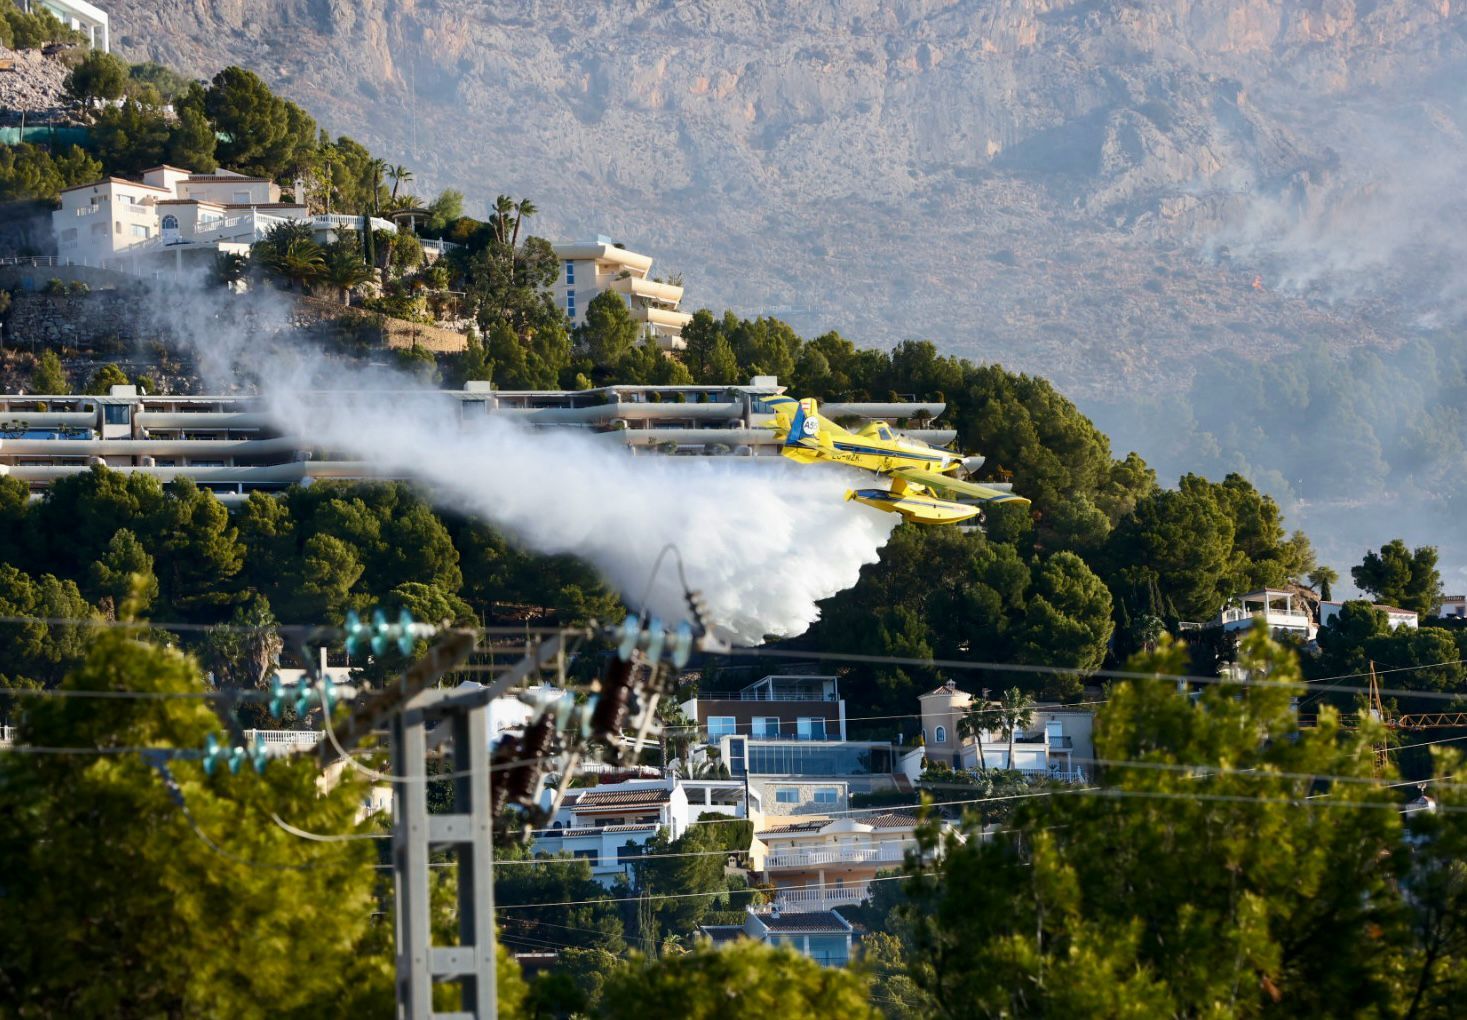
623 798
821 921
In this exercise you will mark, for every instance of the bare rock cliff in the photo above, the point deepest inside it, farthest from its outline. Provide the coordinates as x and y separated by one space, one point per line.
1098 191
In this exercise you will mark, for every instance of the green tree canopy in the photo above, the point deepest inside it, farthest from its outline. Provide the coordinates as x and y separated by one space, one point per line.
125 570
37 650
98 76
743 979
48 377
131 892
1402 577
1178 894
263 134
610 331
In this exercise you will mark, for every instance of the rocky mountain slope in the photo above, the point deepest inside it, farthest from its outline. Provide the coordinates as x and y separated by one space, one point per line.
1090 189
1109 193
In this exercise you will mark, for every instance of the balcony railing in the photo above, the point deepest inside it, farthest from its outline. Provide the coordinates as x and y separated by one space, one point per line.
881 853
301 740
768 695
822 899
1271 617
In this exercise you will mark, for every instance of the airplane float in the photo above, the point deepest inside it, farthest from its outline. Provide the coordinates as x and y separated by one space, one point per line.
921 476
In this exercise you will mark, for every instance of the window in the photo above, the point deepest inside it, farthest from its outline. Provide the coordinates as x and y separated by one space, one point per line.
68 236
720 726
884 432
736 757
827 795
170 222
628 852
766 726
570 303
138 230
117 226
787 795
570 274
116 414
585 855
939 735
811 729
99 228
242 198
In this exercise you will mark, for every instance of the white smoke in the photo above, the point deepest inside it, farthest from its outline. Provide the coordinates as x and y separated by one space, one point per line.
763 539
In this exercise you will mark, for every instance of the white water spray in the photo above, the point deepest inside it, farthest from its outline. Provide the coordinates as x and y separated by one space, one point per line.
762 538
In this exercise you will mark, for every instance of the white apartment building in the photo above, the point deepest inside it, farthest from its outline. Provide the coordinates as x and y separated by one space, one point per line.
1454 606
589 268
79 16
231 446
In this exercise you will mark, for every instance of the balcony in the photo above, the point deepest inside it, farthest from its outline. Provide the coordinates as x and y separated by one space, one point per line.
892 852
1237 618
826 898
285 740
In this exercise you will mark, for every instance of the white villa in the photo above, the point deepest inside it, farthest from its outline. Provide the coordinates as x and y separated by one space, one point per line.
589 268
1058 744
79 16
112 222
1281 610
1395 616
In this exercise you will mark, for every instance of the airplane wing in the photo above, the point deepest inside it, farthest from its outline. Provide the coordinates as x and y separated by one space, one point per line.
993 493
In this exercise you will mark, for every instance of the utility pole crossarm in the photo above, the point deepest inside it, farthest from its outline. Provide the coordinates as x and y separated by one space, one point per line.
446 653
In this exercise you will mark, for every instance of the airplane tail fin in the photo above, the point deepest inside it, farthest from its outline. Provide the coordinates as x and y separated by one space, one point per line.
805 427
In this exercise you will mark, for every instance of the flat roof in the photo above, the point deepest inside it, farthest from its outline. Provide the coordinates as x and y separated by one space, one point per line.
116 180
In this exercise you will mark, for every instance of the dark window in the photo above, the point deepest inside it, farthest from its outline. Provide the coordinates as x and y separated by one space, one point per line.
116 414
736 757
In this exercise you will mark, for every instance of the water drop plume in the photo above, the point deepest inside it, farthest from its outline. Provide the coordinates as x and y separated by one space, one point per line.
762 538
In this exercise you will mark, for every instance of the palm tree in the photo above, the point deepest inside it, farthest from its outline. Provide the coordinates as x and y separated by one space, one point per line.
399 174
982 717
524 208
1016 712
299 262
344 271
376 169
228 268
503 208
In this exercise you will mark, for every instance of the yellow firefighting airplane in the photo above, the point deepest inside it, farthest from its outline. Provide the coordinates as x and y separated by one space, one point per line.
918 472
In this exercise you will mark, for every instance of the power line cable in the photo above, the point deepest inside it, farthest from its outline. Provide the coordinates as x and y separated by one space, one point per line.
1114 674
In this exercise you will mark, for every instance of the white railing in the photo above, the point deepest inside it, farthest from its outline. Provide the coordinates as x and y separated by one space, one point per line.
889 852
331 221
295 740
7 736
1271 617
822 899
33 260
432 244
